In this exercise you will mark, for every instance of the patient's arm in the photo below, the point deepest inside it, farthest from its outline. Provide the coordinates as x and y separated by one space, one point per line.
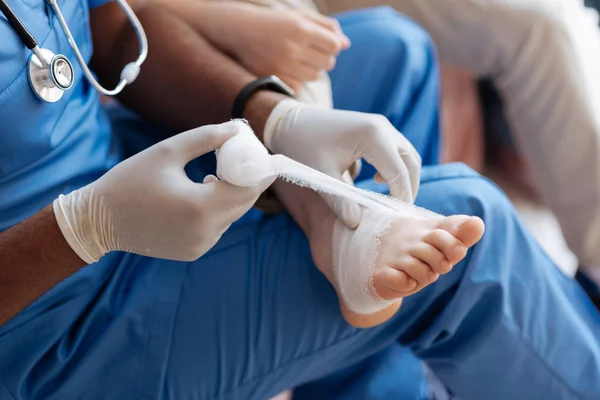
305 43
185 82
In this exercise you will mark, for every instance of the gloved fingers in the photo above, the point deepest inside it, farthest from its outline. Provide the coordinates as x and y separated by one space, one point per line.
400 185
275 123
413 164
391 167
232 197
264 184
348 178
223 203
194 143
347 211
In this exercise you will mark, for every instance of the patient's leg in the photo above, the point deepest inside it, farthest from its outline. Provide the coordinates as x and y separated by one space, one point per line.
412 251
544 57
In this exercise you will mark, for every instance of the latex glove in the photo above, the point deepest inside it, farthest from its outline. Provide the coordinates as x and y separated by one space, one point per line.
147 204
331 141
296 46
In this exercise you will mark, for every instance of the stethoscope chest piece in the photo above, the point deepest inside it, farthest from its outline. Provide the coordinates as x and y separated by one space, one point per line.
50 75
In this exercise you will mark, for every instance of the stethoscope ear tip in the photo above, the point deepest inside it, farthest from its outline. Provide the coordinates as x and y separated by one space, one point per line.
130 72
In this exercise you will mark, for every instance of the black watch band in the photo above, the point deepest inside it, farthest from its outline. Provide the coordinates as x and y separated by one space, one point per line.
270 82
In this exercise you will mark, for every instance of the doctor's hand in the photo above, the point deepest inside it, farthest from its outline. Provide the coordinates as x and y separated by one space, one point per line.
296 46
147 204
332 141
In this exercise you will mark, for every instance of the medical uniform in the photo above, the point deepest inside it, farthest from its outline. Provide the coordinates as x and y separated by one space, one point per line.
254 316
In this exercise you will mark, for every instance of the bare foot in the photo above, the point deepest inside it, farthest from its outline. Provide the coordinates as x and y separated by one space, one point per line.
414 252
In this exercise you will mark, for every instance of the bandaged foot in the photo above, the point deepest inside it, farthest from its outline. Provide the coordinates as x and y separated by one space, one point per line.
391 256
397 249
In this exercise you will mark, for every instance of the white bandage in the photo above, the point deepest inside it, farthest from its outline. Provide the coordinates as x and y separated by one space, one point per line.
243 160
354 259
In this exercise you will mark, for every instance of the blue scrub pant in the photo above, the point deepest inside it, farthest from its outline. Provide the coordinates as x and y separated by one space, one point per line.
254 317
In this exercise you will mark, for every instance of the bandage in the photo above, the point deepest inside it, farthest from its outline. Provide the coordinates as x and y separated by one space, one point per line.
244 161
354 259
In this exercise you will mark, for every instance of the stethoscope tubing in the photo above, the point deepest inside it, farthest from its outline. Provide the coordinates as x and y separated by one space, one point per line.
129 72
140 33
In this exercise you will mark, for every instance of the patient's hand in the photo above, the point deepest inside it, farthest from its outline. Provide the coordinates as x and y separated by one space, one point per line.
296 46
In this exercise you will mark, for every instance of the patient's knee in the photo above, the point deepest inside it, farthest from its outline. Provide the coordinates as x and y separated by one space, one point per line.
390 38
455 189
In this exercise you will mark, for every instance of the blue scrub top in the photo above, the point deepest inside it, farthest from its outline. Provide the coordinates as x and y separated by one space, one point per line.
48 148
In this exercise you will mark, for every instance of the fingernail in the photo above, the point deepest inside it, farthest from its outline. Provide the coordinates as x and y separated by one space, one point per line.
210 179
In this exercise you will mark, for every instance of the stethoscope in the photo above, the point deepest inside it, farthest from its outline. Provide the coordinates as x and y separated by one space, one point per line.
51 74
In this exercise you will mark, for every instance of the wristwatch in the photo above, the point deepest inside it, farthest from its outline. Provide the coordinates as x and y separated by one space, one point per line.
270 82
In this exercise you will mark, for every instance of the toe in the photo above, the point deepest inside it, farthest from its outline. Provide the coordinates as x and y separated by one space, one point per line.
431 256
466 229
417 270
390 283
470 231
447 244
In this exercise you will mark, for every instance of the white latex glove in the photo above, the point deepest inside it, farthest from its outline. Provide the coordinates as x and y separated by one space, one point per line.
331 141
147 204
